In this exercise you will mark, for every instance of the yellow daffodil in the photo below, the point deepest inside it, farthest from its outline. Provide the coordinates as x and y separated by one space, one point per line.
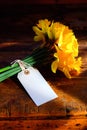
66 53
67 41
63 42
67 63
41 30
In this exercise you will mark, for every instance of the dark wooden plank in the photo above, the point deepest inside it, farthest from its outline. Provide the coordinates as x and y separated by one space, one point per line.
59 124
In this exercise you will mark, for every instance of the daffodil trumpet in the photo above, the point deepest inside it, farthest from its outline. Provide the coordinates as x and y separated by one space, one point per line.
59 47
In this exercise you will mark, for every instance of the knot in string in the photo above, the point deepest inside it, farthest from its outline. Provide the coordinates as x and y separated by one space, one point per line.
23 65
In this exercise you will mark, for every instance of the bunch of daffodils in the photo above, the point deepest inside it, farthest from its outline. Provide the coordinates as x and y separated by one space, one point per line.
64 43
59 48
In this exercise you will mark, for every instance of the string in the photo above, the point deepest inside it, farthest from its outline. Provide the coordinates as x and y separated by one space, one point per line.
23 65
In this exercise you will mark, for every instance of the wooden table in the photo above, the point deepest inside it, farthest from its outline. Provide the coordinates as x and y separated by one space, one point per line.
17 110
68 111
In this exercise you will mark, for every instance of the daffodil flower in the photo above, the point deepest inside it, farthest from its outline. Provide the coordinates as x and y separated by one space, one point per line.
65 45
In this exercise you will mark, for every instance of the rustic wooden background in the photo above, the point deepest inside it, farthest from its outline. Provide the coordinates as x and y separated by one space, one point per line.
17 110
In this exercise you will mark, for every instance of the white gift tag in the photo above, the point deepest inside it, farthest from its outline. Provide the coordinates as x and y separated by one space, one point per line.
36 86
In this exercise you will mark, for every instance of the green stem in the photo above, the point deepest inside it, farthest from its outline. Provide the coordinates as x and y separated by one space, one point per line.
35 58
36 54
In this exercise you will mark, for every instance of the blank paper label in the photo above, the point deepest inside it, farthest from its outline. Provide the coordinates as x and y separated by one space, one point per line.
36 86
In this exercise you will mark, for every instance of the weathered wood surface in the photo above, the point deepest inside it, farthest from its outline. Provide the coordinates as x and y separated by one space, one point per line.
58 124
17 110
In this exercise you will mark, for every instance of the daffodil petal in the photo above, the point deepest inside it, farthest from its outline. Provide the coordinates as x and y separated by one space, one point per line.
54 66
66 72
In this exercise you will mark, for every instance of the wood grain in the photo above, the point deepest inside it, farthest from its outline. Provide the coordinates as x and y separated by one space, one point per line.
18 111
